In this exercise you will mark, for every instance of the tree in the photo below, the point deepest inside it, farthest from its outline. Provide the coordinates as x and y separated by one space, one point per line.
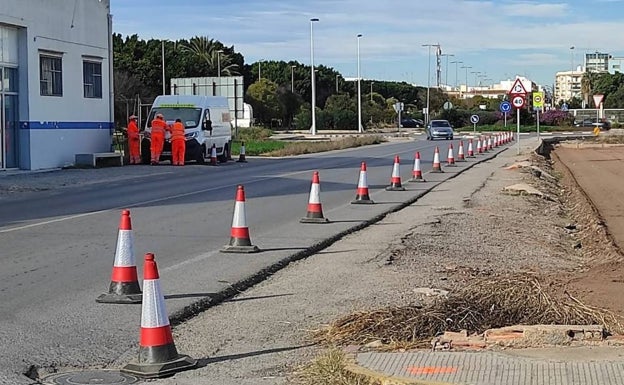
213 54
262 95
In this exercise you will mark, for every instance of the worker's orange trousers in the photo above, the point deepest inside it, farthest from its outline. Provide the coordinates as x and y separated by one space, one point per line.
178 148
135 157
156 147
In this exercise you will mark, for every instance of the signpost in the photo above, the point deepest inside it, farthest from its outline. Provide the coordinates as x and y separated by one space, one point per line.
398 107
538 104
474 119
505 108
598 103
517 94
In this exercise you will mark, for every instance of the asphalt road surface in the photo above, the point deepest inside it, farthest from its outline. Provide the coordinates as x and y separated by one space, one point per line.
58 246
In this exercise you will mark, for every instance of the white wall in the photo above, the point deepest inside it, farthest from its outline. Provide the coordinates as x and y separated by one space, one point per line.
74 29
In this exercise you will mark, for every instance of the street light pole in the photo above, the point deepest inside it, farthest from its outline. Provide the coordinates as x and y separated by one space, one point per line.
372 91
466 93
219 52
428 78
259 70
313 127
359 91
292 79
447 63
162 54
572 58
456 63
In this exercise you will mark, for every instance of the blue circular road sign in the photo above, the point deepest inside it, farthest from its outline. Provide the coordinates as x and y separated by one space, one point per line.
474 119
505 106
564 107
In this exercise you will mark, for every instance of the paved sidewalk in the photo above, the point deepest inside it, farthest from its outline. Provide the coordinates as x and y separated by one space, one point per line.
552 366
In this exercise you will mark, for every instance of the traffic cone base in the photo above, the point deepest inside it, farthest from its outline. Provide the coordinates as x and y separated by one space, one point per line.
437 167
124 285
158 356
213 156
241 156
362 197
240 242
395 180
315 209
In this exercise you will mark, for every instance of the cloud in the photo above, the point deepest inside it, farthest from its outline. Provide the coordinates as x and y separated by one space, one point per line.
536 10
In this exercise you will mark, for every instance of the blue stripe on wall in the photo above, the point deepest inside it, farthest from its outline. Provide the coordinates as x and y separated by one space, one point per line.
66 125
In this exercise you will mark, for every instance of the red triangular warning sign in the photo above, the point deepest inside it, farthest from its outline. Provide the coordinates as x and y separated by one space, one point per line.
518 88
598 100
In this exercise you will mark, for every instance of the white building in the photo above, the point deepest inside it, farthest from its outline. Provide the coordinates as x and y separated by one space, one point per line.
55 81
568 84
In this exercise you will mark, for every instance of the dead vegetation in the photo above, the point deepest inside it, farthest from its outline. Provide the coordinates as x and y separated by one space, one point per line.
330 368
486 303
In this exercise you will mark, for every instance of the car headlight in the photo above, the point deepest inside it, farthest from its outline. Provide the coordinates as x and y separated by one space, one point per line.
191 135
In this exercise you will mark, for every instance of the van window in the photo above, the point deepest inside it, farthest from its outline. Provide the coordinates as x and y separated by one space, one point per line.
190 116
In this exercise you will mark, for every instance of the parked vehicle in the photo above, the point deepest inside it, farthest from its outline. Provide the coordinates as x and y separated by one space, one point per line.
603 124
439 129
412 123
206 120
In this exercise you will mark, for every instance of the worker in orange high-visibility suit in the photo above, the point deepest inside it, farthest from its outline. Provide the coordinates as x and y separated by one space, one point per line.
159 126
178 143
133 140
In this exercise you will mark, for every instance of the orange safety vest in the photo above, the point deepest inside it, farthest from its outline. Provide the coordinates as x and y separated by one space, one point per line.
133 130
159 127
177 131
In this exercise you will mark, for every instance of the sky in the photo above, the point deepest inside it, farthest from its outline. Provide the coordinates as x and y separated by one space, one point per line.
497 39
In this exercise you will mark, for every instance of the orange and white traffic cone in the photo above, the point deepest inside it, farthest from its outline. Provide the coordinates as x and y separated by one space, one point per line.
158 356
240 242
489 143
315 209
479 146
124 285
213 155
460 152
362 196
395 179
436 161
417 172
470 149
450 159
241 156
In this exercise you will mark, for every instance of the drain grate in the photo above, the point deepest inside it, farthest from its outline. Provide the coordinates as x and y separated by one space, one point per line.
94 377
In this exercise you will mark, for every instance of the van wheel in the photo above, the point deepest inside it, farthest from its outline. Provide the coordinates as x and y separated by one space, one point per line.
226 154
200 155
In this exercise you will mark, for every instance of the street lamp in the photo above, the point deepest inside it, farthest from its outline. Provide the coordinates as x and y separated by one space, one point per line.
466 67
456 62
313 127
372 91
428 77
447 63
292 79
219 52
259 70
476 74
162 54
572 57
359 92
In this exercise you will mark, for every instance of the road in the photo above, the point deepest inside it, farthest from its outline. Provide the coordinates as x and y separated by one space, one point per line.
58 246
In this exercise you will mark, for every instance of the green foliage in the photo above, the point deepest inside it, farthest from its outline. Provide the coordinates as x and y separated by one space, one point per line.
262 95
254 147
253 133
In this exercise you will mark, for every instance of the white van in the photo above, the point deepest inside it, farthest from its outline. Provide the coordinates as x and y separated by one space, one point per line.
206 120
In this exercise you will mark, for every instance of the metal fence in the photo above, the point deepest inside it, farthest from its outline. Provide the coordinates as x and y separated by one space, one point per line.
614 115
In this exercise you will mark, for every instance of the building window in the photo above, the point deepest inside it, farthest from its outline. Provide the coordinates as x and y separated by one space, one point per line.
51 75
92 79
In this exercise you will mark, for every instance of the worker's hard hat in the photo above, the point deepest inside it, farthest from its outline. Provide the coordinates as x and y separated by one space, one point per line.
132 117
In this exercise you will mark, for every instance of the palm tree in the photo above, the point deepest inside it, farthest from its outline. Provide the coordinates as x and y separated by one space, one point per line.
587 86
209 51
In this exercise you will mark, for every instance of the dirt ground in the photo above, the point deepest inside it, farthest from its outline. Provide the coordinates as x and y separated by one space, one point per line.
600 174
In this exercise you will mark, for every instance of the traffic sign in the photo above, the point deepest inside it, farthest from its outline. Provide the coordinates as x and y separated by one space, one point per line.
564 107
518 88
474 119
598 100
538 100
505 106
447 105
518 101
